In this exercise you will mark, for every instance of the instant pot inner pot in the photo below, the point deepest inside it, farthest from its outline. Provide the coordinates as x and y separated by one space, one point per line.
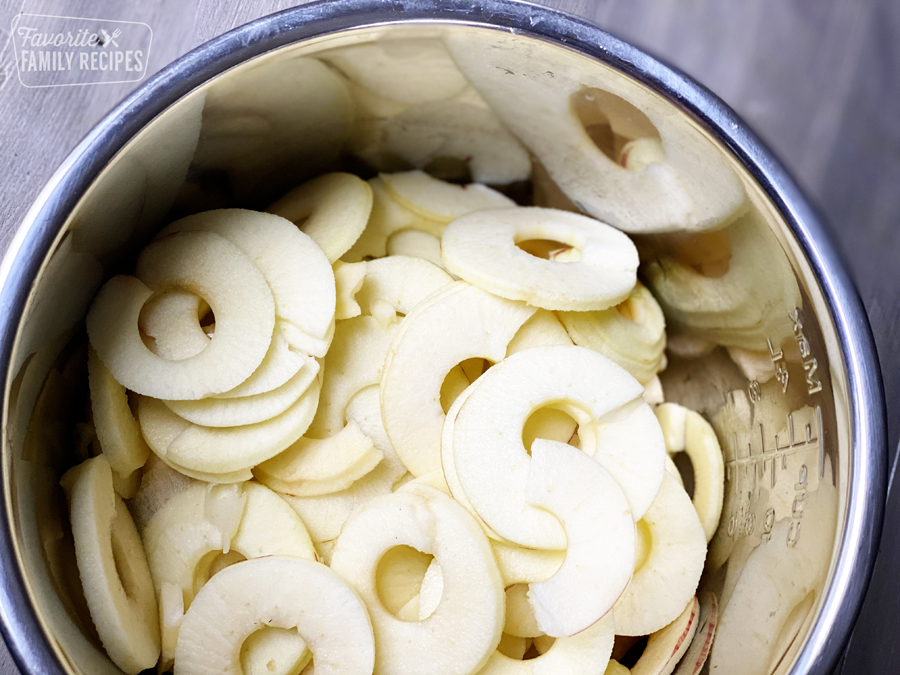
751 344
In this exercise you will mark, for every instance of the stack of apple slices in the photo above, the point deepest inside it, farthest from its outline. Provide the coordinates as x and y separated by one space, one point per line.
367 462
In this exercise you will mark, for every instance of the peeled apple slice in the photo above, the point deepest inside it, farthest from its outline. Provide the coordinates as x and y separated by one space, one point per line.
348 279
599 559
278 366
549 101
208 266
662 586
520 620
416 244
112 567
686 431
667 646
584 654
524 565
632 334
481 248
400 282
172 319
364 409
223 450
117 430
332 209
616 429
541 330
295 268
470 613
698 650
458 323
244 410
281 592
438 200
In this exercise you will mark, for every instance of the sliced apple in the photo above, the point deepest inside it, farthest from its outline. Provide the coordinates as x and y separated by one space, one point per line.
550 102
278 366
159 483
223 450
666 647
364 409
458 323
312 467
672 568
171 613
481 248
401 282
281 592
487 436
599 559
172 319
302 342
653 391
520 620
470 612
686 431
212 268
524 565
117 430
584 654
416 244
332 209
348 279
244 410
616 668
695 657
471 134
295 268
632 334
127 486
113 568
541 330
438 200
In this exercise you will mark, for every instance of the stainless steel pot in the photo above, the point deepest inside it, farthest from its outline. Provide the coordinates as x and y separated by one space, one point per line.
238 119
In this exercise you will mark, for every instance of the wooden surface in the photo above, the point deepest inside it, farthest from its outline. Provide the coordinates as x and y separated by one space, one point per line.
817 79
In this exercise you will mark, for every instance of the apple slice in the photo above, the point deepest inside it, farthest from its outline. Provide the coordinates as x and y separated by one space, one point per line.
278 366
332 209
210 267
438 200
541 330
112 567
471 134
312 467
159 483
481 248
348 279
364 409
580 654
416 244
280 592
653 391
666 647
295 268
616 428
672 568
127 486
172 319
633 334
470 612
549 101
520 620
117 430
525 565
601 538
458 323
387 218
244 410
223 450
400 282
695 657
686 431
616 668
171 613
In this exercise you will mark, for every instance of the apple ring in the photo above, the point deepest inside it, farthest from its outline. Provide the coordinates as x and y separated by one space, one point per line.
439 201
294 267
400 282
231 284
278 366
416 244
547 99
113 567
332 209
584 654
686 431
666 647
172 319
244 410
541 330
670 570
220 451
481 248
523 565
617 429
457 323
633 334
470 612
281 592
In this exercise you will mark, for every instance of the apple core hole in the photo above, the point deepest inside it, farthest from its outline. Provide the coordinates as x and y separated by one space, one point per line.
208 323
686 469
611 122
542 645
287 660
707 253
550 249
211 564
459 377
634 653
398 579
531 653
550 424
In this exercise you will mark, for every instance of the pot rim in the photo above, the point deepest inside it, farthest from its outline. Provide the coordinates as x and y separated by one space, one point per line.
860 531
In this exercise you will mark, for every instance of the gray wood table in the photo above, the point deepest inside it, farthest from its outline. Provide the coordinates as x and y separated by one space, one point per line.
817 79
